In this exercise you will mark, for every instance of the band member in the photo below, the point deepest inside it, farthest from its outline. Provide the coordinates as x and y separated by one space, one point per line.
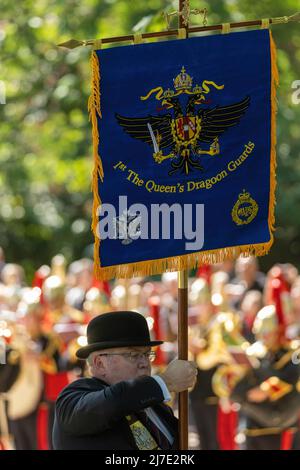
41 375
217 328
268 390
250 307
9 371
269 394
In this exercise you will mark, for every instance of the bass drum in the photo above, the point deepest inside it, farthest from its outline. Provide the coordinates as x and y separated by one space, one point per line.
25 394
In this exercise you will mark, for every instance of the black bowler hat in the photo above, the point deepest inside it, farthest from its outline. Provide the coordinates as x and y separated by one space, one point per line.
116 329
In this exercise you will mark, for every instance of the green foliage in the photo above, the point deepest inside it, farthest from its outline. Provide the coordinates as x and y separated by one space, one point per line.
45 136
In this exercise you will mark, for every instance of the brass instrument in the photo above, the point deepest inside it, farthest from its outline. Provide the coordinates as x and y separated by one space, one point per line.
226 377
221 329
24 393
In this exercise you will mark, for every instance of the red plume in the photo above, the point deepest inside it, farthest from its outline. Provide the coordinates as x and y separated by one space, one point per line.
154 310
279 288
205 272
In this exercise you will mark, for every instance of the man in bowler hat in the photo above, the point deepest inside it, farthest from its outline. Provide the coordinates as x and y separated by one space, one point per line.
121 406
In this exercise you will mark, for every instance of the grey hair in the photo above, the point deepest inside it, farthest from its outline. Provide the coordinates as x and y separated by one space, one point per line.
90 358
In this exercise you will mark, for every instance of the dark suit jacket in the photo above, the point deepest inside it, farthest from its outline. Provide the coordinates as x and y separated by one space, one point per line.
91 415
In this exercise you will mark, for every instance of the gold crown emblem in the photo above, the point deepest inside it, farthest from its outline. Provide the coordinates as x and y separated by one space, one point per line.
168 93
244 196
197 89
183 81
245 209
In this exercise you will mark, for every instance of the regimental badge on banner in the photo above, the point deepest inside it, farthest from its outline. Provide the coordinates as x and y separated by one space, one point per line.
184 148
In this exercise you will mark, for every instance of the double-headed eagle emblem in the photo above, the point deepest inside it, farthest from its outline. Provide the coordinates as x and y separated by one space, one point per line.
184 134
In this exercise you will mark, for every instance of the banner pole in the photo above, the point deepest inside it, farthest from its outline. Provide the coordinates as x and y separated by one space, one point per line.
73 43
183 354
183 315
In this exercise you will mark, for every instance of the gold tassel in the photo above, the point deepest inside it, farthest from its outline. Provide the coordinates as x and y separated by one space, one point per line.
189 261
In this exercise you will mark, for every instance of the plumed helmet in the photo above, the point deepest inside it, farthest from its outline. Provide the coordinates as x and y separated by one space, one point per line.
53 288
266 321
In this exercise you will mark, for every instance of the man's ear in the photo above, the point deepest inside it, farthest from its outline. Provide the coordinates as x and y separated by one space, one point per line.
99 363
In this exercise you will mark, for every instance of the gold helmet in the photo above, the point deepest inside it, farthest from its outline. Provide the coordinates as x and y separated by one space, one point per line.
200 292
218 289
96 302
58 266
30 302
53 289
266 321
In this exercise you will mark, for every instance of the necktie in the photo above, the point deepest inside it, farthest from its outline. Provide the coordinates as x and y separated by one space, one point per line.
160 438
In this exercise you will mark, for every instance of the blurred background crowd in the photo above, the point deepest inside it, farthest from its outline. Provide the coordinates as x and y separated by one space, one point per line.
43 323
46 205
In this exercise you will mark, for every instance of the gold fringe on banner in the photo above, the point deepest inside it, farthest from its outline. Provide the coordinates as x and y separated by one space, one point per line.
178 263
188 261
273 165
94 109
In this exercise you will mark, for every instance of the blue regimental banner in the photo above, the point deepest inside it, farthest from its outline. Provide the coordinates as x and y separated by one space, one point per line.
184 143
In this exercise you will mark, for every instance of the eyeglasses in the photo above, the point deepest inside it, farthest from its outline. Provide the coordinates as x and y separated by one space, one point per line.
134 356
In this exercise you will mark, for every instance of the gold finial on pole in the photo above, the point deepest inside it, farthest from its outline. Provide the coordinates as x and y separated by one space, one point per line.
185 13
